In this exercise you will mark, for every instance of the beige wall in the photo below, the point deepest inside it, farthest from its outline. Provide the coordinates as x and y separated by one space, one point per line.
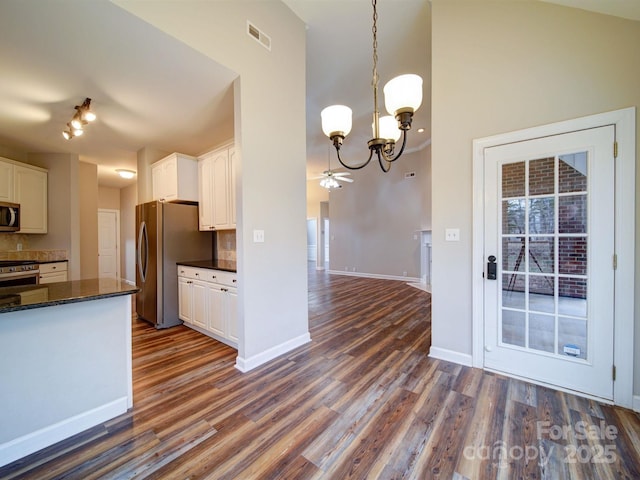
109 198
268 94
88 201
502 66
375 221
146 157
63 231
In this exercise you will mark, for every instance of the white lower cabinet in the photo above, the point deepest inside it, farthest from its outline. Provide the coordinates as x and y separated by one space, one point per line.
208 303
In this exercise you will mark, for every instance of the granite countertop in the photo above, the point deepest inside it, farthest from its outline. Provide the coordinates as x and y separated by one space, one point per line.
224 265
26 297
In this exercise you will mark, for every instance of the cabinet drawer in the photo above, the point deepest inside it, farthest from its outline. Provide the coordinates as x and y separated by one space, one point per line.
53 267
191 272
225 278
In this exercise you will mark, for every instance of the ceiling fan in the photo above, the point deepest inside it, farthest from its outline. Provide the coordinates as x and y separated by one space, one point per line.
329 178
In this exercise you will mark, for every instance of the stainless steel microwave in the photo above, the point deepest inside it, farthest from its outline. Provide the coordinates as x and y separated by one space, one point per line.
9 217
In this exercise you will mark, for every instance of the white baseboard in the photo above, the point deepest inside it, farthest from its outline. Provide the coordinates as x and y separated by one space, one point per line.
246 364
375 275
34 441
451 356
636 403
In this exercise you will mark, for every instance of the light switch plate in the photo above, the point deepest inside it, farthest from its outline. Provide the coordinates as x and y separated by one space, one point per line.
258 236
452 234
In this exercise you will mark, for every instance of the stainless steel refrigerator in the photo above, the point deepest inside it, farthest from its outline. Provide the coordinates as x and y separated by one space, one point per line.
166 233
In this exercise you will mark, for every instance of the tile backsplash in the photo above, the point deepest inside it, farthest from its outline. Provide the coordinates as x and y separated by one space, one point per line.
10 244
226 245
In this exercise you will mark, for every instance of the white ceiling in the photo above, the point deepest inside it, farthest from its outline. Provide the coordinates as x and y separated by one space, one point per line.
147 89
150 90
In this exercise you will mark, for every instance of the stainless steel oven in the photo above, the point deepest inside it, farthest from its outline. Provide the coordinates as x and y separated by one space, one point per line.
18 272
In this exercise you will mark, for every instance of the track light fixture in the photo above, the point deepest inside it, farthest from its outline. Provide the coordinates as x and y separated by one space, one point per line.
403 96
82 116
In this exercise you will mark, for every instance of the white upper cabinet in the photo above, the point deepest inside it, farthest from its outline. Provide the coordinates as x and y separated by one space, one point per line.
6 181
175 177
25 185
30 191
217 190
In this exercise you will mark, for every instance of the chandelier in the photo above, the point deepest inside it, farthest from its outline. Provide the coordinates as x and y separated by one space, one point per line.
403 96
82 116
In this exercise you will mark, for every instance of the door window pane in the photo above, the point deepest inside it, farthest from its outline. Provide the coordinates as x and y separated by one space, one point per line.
541 176
541 294
572 337
572 255
513 215
513 180
513 249
513 327
541 215
541 254
572 172
542 332
572 214
572 296
513 290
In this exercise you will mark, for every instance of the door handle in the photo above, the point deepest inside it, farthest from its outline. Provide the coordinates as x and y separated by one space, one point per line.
491 268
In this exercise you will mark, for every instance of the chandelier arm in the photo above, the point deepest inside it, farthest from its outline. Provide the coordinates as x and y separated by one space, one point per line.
382 160
391 158
358 167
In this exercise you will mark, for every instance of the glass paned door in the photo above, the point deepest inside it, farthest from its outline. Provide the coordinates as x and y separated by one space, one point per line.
549 313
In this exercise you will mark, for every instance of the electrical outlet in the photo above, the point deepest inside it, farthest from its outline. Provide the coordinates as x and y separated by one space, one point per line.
258 236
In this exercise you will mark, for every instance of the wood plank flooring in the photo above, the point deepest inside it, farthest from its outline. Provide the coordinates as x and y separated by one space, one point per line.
362 400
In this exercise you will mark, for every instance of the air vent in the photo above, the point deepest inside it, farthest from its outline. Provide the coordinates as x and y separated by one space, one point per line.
258 35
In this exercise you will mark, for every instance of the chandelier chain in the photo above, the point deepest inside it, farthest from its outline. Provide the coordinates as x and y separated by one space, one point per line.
374 79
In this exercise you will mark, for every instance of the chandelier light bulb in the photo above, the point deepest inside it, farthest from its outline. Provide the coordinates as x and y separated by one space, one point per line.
336 118
388 128
403 93
67 135
76 122
77 132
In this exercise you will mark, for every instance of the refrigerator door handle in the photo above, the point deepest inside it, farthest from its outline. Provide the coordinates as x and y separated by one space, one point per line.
143 237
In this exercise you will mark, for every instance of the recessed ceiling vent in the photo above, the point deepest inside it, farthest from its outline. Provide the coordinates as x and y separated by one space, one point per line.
259 35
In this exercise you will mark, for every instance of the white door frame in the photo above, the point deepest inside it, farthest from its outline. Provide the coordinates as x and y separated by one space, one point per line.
624 303
117 214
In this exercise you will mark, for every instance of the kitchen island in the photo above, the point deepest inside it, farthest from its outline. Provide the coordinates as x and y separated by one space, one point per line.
65 361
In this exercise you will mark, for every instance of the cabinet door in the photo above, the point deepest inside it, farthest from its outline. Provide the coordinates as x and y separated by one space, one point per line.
170 179
6 182
205 198
232 315
185 300
30 191
220 187
217 310
199 304
232 187
157 182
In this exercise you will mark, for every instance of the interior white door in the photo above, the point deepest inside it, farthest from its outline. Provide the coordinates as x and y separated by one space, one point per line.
549 223
108 244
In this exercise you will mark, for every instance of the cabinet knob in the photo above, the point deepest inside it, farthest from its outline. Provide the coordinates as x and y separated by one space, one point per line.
234 280
197 274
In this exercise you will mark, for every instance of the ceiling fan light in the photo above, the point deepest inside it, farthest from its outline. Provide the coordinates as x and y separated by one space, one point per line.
336 120
389 128
403 93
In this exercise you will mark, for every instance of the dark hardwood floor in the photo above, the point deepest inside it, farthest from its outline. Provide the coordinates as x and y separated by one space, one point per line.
362 400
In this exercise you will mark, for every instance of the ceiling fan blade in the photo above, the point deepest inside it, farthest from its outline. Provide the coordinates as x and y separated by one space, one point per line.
337 174
343 179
